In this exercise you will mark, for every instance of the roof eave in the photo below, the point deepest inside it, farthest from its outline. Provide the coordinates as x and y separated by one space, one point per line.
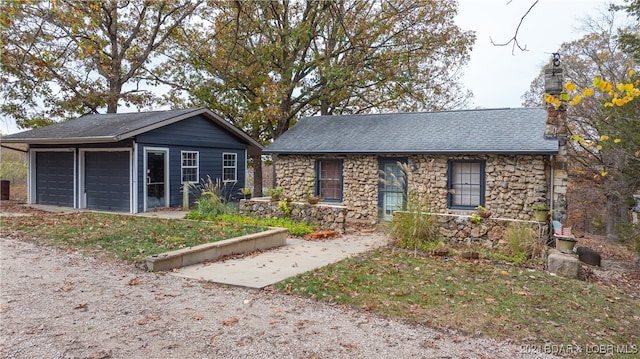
496 152
62 141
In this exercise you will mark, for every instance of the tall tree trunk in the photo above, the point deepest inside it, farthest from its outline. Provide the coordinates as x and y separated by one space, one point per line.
257 175
112 102
612 217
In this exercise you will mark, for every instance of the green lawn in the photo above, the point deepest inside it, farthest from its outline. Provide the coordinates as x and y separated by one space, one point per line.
480 298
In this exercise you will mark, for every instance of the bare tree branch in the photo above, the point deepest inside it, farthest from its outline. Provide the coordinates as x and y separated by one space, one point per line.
514 40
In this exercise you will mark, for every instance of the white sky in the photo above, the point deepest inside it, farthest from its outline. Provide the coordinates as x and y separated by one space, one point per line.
497 77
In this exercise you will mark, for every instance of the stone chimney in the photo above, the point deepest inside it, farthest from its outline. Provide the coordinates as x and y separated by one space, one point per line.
556 127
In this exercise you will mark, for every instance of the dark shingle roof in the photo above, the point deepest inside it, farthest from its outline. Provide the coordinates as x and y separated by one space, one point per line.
505 131
102 128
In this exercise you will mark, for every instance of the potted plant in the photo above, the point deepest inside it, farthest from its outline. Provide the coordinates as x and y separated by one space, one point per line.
275 193
565 244
483 212
313 199
246 192
541 211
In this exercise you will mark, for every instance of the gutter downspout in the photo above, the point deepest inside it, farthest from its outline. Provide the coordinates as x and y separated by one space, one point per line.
31 199
133 197
551 184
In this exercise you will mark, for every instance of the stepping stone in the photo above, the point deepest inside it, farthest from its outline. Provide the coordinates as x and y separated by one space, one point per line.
564 265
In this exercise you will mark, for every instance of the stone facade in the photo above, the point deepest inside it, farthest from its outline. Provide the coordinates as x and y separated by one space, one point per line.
326 216
512 182
296 175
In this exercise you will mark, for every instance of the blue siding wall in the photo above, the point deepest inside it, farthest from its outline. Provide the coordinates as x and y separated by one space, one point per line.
196 132
193 134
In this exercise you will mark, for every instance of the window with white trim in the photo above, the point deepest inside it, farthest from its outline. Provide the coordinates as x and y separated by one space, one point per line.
189 166
229 167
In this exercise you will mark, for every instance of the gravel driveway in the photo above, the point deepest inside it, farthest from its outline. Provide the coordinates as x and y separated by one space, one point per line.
55 304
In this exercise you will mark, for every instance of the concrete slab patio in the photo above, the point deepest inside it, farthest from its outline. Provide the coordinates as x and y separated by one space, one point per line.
269 267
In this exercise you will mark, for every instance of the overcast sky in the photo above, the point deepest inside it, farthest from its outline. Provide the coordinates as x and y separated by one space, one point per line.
499 78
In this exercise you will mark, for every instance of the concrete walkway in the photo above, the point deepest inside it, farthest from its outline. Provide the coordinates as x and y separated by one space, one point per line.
269 267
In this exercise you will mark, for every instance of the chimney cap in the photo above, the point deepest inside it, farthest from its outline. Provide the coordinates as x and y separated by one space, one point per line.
553 80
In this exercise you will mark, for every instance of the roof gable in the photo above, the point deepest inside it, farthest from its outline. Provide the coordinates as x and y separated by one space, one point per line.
103 128
506 131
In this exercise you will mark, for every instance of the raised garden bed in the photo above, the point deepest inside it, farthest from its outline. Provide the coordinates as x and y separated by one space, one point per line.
274 237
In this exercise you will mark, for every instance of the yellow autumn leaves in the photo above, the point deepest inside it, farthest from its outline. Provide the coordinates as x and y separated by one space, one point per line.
619 95
597 144
615 95
593 143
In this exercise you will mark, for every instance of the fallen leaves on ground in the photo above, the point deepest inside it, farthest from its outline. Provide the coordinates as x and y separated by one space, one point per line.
321 234
134 281
230 322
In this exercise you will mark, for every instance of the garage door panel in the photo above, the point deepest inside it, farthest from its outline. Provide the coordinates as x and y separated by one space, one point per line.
54 178
107 181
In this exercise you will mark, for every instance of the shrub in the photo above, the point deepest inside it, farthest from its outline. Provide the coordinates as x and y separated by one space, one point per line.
212 201
284 207
475 219
210 204
415 228
275 193
522 241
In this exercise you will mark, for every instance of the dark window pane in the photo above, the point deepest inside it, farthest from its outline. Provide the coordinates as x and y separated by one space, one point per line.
466 186
330 179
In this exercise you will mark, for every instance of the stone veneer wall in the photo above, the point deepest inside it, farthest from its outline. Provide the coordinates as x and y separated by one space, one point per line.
295 173
513 182
325 216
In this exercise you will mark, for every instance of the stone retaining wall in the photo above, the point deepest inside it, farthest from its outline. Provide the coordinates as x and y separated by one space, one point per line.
488 233
512 182
324 215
